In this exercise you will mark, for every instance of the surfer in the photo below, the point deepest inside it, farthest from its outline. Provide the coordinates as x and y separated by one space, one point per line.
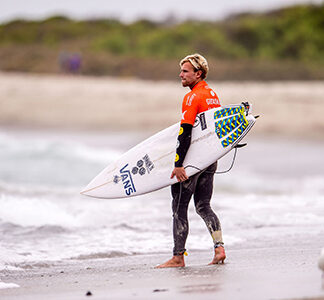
194 69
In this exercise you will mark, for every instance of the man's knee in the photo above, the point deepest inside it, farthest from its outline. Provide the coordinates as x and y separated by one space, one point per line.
202 209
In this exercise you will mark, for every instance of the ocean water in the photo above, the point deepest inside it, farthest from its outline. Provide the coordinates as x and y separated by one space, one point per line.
274 190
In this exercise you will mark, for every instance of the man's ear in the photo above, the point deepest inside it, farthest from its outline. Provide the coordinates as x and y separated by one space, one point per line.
199 73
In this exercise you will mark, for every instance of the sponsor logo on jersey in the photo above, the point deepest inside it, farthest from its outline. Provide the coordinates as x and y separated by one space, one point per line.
211 101
127 180
189 99
183 115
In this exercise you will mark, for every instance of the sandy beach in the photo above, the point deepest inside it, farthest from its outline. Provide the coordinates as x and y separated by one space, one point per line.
105 103
283 271
57 132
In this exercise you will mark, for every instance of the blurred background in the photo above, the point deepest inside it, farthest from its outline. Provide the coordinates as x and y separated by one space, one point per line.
243 40
55 59
81 82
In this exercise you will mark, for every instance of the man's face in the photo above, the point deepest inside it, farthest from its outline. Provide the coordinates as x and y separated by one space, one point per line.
188 76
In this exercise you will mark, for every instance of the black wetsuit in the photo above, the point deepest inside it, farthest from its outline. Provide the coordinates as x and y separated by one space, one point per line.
200 186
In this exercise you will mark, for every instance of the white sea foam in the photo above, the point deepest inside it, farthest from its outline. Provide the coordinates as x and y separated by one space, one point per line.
34 212
50 147
50 162
4 285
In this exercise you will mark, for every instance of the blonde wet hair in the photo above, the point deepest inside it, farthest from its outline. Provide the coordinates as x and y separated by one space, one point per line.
198 62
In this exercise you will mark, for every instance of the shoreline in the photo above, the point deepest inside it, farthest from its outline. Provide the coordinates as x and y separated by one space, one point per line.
141 134
112 104
277 272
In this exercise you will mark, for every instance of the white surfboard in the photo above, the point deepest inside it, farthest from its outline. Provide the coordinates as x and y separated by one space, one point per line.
147 167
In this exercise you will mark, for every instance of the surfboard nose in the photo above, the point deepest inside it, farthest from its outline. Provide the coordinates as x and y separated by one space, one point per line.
85 191
90 190
92 193
99 190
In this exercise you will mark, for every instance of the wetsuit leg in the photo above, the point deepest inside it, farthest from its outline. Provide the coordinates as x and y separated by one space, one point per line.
181 194
202 196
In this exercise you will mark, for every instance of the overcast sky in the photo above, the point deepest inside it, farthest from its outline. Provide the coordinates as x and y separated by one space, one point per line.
130 10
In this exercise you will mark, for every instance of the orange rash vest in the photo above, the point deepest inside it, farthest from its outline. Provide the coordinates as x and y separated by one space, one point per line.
199 99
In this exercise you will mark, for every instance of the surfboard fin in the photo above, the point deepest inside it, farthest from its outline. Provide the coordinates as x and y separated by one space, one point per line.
246 107
240 145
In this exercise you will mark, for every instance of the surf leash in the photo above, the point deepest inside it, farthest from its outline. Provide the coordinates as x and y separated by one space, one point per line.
232 164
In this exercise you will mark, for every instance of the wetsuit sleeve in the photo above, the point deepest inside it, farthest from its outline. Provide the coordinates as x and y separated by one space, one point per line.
184 139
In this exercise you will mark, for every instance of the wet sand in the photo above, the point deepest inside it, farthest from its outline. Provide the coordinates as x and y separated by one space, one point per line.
91 103
285 271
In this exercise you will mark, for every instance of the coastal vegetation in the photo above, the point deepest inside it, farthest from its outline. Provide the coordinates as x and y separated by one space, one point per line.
281 44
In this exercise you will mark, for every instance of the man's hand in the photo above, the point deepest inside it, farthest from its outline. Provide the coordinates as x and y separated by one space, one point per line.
180 174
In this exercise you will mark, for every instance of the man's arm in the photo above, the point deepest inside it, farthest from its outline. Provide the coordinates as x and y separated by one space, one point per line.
184 140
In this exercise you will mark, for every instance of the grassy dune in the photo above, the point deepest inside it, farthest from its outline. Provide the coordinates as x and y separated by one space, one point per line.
282 44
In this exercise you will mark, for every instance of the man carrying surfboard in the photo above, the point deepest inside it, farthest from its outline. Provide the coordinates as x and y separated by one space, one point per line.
194 69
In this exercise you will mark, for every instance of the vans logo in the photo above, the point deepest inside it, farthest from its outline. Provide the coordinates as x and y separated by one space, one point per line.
127 180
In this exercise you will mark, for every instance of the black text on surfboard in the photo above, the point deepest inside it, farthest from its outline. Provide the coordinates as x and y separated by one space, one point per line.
127 180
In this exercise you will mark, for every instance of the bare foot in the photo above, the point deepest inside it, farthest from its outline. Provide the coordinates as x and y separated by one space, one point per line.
176 261
219 256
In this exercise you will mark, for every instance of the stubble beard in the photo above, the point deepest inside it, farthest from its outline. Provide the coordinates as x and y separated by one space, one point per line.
184 83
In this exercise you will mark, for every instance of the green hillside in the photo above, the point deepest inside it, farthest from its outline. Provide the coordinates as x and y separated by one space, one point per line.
282 44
